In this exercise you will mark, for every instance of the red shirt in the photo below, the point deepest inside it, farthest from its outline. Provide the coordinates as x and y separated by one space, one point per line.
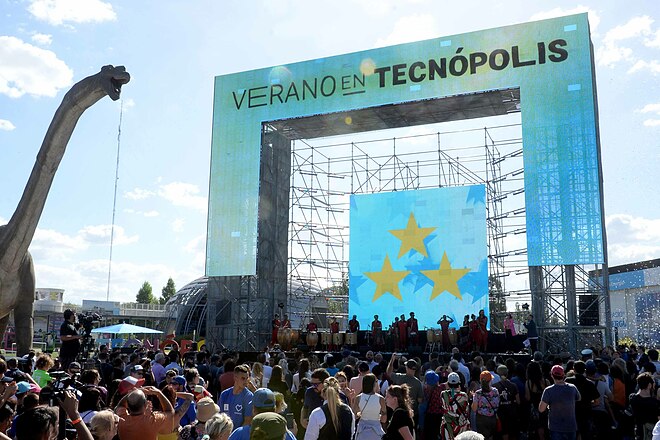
276 324
286 324
412 325
403 325
353 325
334 327
311 327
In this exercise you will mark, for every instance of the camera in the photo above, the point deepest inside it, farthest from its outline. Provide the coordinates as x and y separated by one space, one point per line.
87 321
62 382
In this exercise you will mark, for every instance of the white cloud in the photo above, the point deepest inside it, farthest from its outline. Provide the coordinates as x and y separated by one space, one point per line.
652 66
635 27
126 104
183 194
25 68
632 239
6 125
100 234
151 213
57 12
138 194
594 18
177 225
650 108
611 52
43 39
652 123
411 28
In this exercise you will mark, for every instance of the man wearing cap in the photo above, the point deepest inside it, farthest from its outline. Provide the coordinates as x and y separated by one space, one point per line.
180 386
416 390
206 409
236 401
589 397
263 401
560 398
509 402
455 407
601 418
433 417
270 426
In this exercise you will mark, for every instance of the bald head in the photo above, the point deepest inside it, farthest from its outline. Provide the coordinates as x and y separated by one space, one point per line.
136 402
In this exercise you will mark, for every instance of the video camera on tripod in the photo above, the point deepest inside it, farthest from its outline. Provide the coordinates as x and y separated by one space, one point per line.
86 322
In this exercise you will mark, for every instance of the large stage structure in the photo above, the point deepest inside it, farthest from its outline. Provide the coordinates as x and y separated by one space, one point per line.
278 199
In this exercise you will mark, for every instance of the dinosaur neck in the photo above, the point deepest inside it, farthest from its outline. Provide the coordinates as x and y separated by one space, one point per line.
16 236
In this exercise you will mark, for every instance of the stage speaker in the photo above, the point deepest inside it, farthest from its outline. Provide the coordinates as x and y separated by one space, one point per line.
588 313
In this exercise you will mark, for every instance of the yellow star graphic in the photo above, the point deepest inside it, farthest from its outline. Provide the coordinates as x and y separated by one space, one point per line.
387 280
445 278
412 237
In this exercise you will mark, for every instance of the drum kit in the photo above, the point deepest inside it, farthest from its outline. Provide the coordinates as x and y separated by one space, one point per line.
287 338
434 339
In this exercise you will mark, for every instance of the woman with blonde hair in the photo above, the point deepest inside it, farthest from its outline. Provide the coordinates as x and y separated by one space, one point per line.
257 377
401 425
41 367
219 427
103 425
334 419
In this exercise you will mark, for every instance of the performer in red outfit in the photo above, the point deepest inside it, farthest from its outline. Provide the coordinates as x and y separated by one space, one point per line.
444 325
354 325
286 323
276 328
377 332
402 327
474 333
482 321
334 328
413 329
311 327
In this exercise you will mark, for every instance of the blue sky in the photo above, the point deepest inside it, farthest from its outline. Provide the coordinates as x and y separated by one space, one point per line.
174 49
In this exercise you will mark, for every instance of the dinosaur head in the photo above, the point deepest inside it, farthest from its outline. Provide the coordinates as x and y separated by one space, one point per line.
112 78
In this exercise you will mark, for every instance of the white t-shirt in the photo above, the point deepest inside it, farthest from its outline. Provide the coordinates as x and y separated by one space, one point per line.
268 371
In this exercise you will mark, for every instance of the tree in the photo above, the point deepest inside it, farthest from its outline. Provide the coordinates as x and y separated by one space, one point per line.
168 291
145 295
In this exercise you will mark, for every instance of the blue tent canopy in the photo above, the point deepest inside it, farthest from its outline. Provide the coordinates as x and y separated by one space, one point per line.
125 329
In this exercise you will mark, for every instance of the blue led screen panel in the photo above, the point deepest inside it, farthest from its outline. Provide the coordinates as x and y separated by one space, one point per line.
421 251
550 61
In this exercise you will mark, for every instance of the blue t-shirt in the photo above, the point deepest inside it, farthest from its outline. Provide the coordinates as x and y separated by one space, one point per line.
237 406
243 433
190 415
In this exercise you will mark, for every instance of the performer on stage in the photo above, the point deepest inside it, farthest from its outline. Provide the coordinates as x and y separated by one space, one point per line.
286 323
311 327
532 333
444 325
509 331
334 328
473 332
377 332
464 334
276 328
394 333
413 329
402 328
482 321
354 325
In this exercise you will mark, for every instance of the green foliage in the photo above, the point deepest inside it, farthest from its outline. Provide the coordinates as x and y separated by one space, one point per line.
168 291
145 294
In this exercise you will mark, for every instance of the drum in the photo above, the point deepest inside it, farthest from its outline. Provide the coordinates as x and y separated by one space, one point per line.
325 338
438 335
284 337
338 338
453 337
430 336
295 337
351 338
312 339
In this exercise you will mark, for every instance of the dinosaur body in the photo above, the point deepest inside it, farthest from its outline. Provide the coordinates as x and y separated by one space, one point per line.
17 281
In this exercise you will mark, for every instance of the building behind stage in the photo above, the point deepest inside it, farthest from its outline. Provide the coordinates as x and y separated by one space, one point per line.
635 301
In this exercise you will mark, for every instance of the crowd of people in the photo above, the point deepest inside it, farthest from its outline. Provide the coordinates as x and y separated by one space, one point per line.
148 395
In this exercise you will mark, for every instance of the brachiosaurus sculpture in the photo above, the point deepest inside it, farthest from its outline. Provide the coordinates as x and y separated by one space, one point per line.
16 269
